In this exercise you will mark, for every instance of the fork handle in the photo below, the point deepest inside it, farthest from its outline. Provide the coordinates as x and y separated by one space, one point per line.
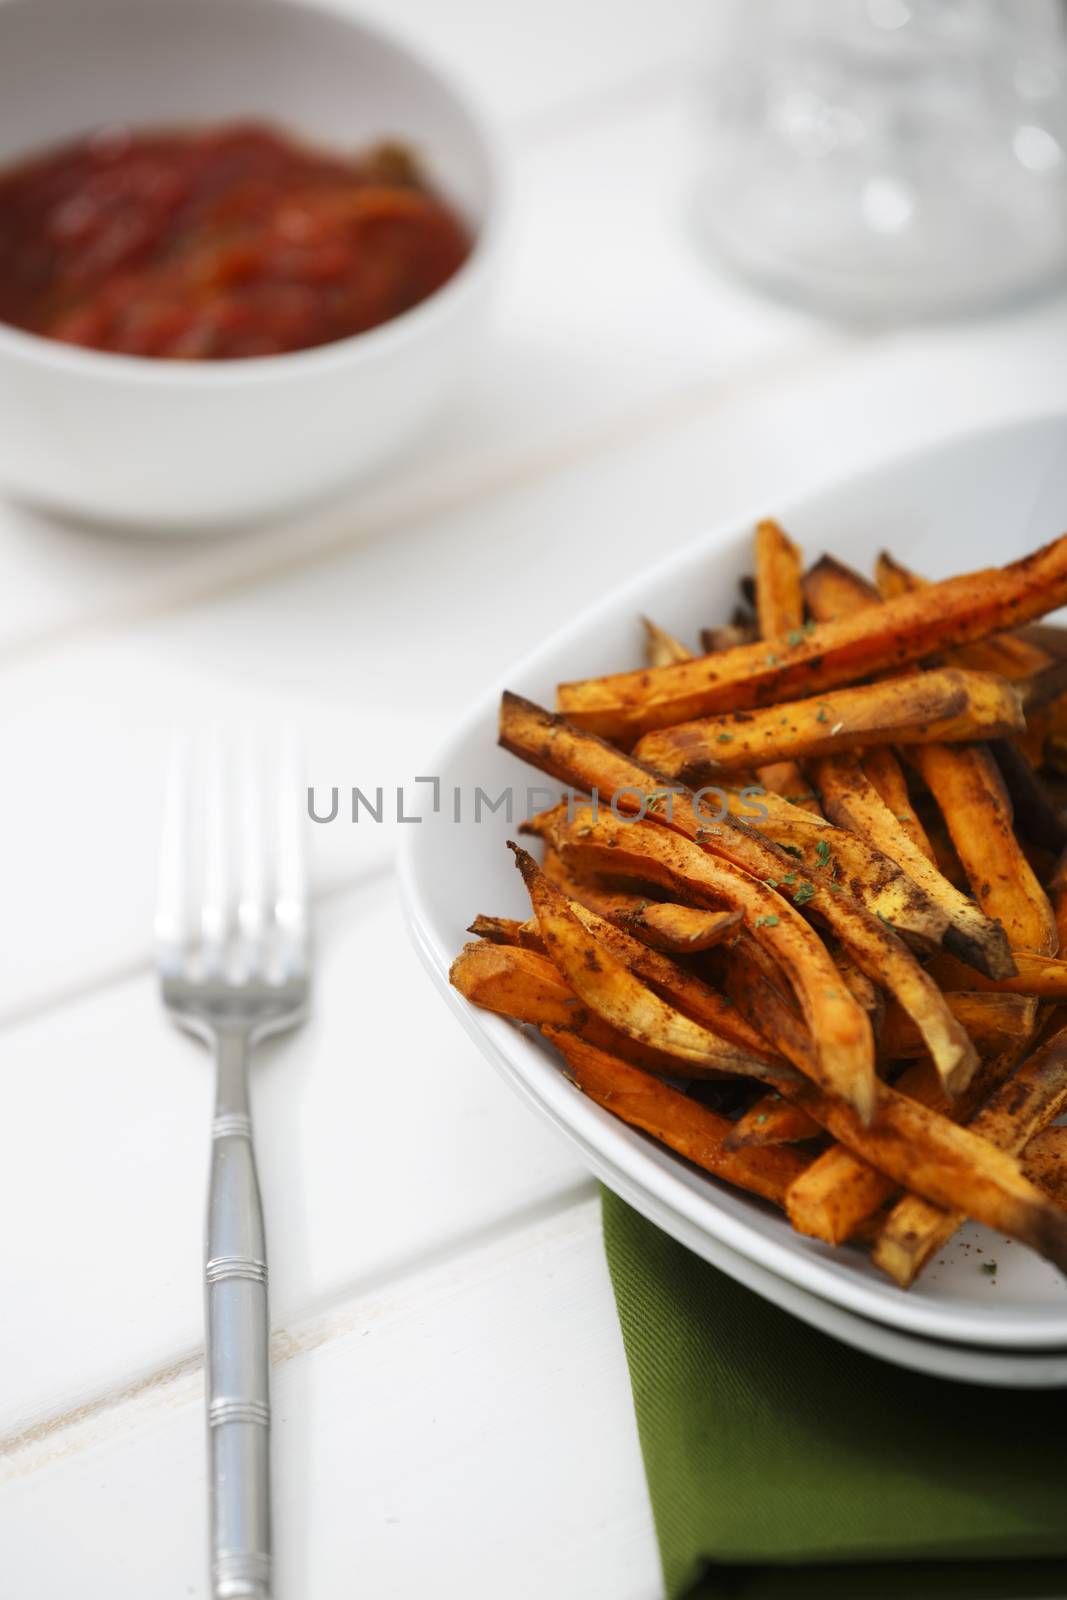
238 1342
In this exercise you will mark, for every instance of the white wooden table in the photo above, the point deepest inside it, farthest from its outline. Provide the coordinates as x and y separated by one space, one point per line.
452 1408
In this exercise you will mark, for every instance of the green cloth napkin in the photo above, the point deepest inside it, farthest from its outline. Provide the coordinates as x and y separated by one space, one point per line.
782 1464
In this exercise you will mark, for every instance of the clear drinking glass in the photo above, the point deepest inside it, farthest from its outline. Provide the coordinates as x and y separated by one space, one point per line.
890 159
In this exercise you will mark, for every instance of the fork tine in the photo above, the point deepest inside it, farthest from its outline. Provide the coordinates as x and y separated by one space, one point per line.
252 893
172 920
216 906
290 908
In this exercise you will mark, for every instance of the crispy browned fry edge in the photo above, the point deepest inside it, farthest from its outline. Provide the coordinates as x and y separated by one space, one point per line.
727 636
832 589
844 1058
992 1020
508 930
916 1228
970 793
946 1164
852 801
842 1191
944 706
516 982
615 993
1045 1163
772 1120
661 647
585 762
946 614
685 1126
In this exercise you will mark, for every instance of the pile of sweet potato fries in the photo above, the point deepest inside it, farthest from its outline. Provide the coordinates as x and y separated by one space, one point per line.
799 909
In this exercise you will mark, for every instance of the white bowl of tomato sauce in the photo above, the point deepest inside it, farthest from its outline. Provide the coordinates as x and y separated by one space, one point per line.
246 251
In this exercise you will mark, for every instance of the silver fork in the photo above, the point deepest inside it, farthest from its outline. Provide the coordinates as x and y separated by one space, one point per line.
233 961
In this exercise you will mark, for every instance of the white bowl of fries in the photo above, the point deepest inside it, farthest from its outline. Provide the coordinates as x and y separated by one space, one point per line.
802 964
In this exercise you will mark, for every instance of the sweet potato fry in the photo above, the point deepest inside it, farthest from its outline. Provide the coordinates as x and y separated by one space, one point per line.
842 1191
1037 816
780 609
680 930
849 862
851 800
974 803
950 1166
526 986
863 990
772 1120
517 981
1006 653
585 762
662 925
1057 893
610 989
993 1022
1045 1163
755 986
779 598
727 636
940 617
674 1119
786 780
1043 976
613 903
834 590
883 769
843 1042
943 706
661 647
920 1224
508 931
677 985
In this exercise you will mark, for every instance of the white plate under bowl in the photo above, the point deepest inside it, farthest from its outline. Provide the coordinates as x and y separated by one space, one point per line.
977 501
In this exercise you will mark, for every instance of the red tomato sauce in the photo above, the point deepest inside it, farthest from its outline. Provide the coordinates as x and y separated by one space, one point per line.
229 242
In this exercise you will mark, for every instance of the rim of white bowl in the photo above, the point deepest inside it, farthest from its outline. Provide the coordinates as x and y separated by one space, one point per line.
296 364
